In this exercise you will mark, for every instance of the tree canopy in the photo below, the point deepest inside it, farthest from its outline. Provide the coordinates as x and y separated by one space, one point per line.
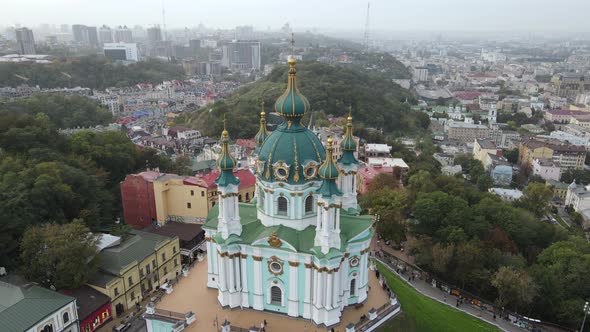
95 72
56 255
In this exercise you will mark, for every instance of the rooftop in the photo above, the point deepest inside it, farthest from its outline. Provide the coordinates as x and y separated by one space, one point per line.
382 148
486 143
21 307
184 231
88 300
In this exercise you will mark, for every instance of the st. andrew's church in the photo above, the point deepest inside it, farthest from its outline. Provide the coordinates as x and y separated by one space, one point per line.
300 248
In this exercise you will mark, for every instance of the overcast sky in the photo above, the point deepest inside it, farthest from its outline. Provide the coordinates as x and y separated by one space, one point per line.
428 15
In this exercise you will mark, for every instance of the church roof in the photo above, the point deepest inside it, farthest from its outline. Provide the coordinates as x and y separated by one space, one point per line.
253 230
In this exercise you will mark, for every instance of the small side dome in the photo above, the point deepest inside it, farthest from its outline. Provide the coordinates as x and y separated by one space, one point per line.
329 170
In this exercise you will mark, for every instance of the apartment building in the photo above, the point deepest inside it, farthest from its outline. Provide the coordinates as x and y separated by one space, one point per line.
567 155
131 268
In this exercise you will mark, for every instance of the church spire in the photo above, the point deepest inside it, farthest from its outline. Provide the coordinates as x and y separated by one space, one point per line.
262 132
328 172
348 144
226 162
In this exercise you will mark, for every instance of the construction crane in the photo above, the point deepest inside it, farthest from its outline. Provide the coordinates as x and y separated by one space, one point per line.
366 39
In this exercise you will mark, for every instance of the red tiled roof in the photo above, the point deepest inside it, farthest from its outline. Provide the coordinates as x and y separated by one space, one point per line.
467 95
247 179
247 143
369 172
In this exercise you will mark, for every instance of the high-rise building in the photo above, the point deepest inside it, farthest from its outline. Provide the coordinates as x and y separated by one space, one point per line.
106 35
92 36
241 55
25 41
123 35
154 35
80 33
194 45
121 51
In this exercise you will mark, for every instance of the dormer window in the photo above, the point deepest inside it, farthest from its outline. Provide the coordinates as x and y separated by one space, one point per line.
309 204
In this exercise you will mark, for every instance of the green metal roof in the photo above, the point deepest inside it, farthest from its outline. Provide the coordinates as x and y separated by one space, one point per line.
136 248
23 307
303 241
294 145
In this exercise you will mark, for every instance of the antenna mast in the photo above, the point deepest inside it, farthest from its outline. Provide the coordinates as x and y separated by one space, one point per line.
163 22
366 39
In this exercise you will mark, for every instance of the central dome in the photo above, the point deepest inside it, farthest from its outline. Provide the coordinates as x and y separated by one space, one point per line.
292 154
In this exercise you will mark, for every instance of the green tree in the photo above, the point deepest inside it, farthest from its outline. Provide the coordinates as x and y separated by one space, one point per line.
536 198
59 255
515 288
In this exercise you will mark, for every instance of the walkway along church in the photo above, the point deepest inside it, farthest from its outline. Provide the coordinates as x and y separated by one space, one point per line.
300 248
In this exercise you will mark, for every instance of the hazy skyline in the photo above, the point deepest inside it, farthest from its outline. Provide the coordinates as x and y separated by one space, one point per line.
426 15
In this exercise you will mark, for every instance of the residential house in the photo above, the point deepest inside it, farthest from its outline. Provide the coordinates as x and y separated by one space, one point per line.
559 189
366 174
509 195
189 235
547 169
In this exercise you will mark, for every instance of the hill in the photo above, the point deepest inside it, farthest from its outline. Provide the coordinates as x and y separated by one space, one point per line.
93 72
331 89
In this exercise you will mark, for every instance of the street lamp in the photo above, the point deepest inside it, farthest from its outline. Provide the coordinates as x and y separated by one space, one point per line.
586 312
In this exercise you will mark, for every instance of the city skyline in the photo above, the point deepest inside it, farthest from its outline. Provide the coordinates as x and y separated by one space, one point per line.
420 15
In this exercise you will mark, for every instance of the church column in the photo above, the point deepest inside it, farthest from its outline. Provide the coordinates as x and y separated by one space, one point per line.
321 288
222 274
258 297
308 287
232 281
244 270
329 285
293 289
316 286
336 292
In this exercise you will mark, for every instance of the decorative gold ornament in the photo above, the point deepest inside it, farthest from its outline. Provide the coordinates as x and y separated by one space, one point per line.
275 265
354 261
274 240
281 170
310 170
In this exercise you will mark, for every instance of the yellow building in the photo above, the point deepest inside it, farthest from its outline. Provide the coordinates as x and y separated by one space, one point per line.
182 198
150 197
569 156
133 268
484 147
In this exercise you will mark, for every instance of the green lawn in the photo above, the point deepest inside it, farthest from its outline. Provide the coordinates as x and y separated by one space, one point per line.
561 221
420 313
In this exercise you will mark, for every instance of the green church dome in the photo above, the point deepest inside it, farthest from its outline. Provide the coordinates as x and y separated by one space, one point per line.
348 145
291 154
292 104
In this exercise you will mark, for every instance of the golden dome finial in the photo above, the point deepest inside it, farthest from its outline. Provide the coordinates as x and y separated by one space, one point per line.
349 119
292 61
224 133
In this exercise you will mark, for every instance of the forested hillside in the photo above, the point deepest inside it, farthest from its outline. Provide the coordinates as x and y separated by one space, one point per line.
330 89
94 72
46 177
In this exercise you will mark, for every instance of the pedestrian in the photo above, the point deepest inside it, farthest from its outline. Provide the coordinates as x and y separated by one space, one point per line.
265 323
445 298
262 327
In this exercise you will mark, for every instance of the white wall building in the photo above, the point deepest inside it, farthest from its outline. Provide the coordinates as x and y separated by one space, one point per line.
121 51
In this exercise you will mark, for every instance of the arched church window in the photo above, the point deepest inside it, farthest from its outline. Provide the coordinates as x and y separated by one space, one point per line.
283 206
66 317
353 287
309 204
239 198
276 295
247 197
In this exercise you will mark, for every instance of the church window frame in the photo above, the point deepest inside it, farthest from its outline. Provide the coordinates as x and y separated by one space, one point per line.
281 170
309 205
282 206
310 170
353 287
276 295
